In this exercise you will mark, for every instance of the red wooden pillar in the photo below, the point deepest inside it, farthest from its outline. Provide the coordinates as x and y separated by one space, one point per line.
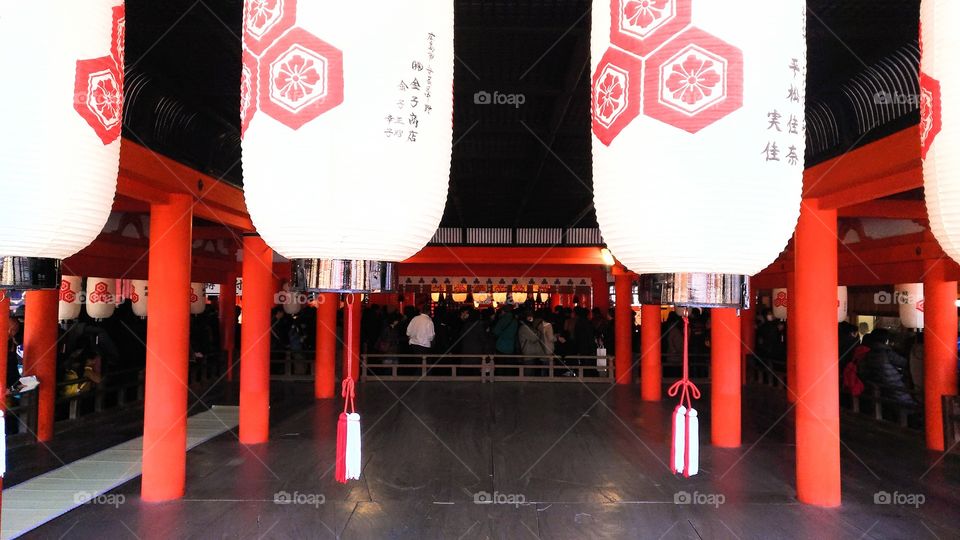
651 371
40 354
325 378
258 291
351 335
791 338
725 383
4 336
168 345
817 382
748 337
555 300
623 321
228 319
939 347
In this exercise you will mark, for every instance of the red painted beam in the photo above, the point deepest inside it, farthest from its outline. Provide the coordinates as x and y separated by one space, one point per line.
886 208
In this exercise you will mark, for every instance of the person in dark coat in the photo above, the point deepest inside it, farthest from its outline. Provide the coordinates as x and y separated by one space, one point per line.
884 367
473 333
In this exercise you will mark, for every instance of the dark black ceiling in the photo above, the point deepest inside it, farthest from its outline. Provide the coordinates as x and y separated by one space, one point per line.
527 166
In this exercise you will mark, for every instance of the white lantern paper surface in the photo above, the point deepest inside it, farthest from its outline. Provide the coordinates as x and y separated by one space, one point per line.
198 298
71 297
481 297
781 300
101 297
459 297
940 119
63 62
909 297
349 103
500 297
842 303
519 297
698 108
138 297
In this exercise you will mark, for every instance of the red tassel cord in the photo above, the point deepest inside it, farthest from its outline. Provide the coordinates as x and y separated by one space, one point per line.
348 431
685 431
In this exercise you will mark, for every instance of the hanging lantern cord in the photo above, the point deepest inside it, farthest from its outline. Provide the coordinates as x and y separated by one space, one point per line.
684 387
348 393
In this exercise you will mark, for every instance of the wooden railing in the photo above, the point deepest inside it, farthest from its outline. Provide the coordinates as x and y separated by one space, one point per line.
951 424
486 368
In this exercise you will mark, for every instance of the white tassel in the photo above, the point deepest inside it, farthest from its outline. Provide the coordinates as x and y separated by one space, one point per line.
353 446
679 437
693 443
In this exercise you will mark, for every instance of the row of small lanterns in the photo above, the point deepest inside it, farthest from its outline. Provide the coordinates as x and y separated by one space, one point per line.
100 297
907 296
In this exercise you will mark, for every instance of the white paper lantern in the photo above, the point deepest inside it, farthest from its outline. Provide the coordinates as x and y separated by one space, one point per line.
698 107
940 119
350 103
781 300
63 69
909 298
101 297
519 297
500 297
459 297
435 297
480 297
138 297
198 298
71 297
842 303
290 300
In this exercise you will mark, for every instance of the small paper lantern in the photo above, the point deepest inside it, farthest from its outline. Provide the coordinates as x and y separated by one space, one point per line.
435 297
909 298
842 303
138 297
519 297
940 119
701 108
481 297
63 68
290 300
198 298
500 297
101 297
70 298
781 301
347 102
459 297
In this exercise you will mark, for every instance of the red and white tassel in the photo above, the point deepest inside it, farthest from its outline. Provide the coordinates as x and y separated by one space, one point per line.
348 437
340 470
685 424
692 450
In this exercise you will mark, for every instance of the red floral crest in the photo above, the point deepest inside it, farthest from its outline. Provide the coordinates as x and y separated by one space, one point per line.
98 85
781 300
930 119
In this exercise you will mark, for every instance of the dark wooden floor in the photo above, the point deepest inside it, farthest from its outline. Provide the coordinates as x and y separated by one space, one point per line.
565 461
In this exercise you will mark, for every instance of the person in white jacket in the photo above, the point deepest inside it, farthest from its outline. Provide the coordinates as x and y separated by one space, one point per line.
421 333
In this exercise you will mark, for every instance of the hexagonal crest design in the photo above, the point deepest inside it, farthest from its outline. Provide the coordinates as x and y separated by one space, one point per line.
266 20
641 26
615 93
301 77
930 120
249 95
693 81
98 96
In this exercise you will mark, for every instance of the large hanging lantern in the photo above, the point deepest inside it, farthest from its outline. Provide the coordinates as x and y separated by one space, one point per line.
71 298
198 298
909 299
63 63
348 103
138 297
101 297
940 119
698 108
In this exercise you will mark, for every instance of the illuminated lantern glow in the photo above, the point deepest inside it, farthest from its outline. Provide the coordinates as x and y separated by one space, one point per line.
138 297
459 297
500 297
480 297
842 303
53 208
519 297
909 299
780 300
198 298
435 297
345 102
701 108
71 298
940 119
101 297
